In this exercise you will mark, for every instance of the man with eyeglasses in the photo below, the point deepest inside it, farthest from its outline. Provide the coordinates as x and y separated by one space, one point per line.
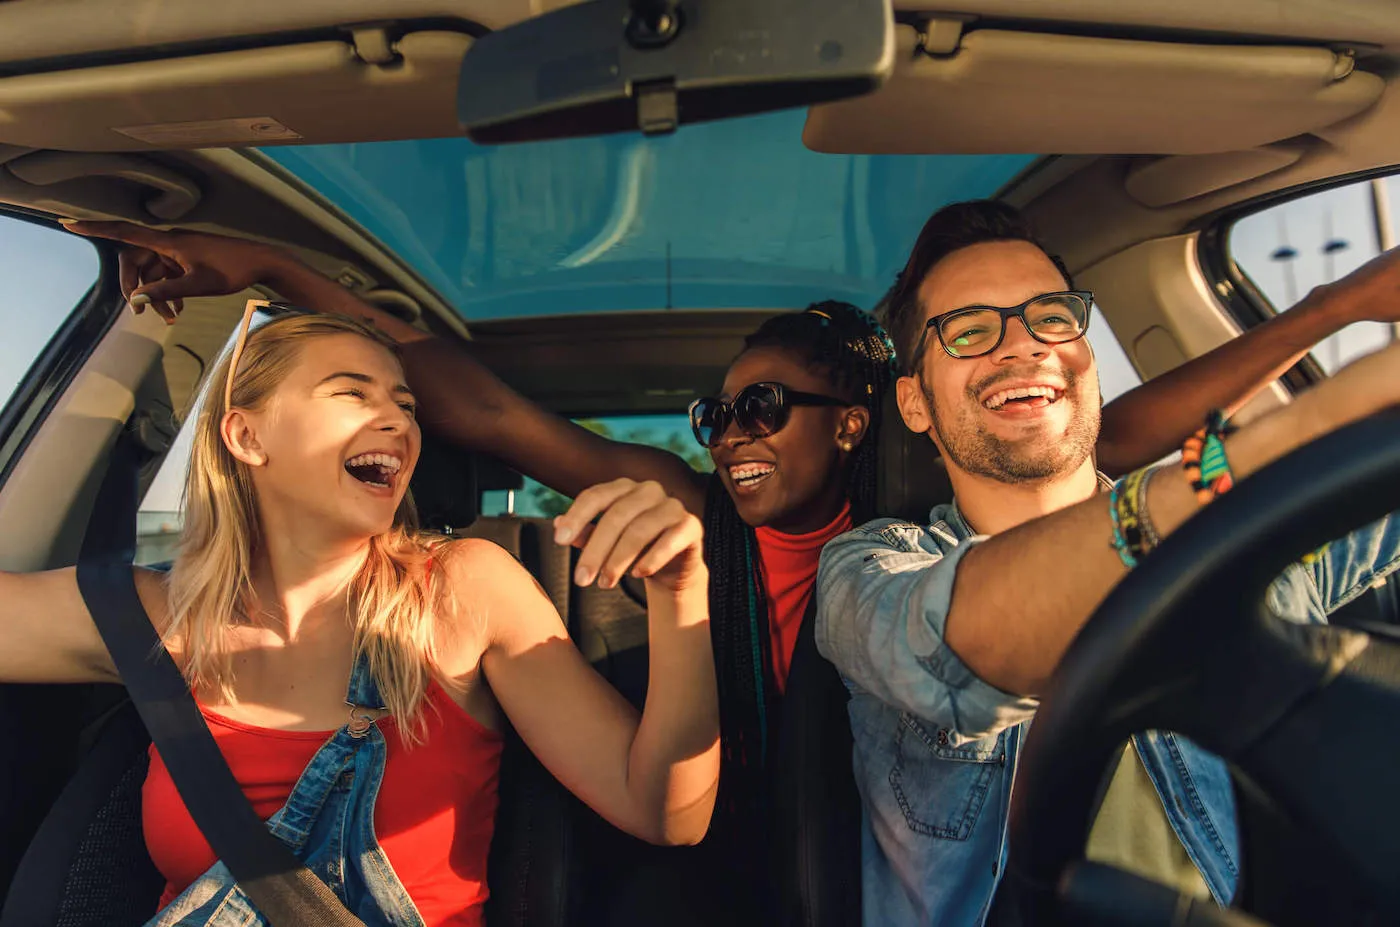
946 631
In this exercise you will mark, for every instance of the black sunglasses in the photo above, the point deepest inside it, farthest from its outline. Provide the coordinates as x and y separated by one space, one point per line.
759 409
1051 318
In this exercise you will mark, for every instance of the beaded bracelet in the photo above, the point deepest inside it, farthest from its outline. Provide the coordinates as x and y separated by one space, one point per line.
1150 537
1138 532
1204 460
1119 542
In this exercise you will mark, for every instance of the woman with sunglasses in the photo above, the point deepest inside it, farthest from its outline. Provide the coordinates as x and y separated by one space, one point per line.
793 434
301 587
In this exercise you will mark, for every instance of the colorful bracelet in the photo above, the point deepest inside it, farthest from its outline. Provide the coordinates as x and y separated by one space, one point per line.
1204 460
1138 531
1150 537
1119 542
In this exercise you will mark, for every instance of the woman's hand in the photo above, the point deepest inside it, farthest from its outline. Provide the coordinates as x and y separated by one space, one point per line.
655 776
162 269
625 526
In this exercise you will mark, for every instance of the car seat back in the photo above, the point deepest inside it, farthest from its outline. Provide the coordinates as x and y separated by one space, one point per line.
87 865
912 476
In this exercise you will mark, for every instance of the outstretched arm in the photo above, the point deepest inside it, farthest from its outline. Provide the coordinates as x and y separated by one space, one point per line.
47 633
653 775
460 399
1013 603
1153 420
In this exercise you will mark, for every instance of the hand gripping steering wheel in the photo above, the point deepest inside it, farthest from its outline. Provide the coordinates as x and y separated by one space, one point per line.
1307 716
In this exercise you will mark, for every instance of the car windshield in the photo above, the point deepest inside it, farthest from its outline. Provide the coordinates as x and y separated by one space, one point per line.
731 214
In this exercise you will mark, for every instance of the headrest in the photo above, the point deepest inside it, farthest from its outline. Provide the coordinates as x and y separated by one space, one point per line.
912 476
444 486
494 476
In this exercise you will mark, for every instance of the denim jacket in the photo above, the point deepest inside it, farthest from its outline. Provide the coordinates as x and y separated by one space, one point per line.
936 747
328 824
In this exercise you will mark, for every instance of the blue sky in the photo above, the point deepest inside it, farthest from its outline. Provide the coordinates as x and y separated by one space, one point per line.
47 272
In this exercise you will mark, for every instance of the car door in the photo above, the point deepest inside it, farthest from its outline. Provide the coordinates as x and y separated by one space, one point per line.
57 293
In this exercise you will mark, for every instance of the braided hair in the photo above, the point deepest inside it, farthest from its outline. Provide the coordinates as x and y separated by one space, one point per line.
847 345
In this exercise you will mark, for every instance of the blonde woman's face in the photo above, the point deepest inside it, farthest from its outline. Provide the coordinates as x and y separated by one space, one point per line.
338 439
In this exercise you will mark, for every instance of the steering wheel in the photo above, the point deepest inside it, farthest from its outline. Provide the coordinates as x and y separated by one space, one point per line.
1306 716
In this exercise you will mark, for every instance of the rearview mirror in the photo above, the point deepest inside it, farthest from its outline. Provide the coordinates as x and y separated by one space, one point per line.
618 65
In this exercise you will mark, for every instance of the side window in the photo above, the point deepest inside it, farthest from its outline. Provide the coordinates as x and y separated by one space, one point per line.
1287 249
1116 373
47 273
668 432
161 515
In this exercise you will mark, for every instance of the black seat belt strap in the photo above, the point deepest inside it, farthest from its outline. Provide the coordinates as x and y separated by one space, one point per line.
284 891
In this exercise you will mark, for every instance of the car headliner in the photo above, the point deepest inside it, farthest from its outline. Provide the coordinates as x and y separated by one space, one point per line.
735 214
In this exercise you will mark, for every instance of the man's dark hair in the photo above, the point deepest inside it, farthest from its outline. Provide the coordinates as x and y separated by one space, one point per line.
952 228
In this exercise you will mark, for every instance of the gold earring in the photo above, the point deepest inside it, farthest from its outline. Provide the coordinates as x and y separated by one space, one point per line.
846 447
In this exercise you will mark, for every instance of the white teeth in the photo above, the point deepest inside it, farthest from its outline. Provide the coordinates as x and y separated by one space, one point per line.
997 400
750 474
387 461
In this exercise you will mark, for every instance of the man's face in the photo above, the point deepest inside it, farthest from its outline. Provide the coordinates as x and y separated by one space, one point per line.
964 401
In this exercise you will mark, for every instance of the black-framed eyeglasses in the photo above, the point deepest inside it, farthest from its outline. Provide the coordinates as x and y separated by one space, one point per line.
759 409
1051 318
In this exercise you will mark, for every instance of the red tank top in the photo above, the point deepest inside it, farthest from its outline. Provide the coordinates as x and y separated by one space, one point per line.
433 817
789 563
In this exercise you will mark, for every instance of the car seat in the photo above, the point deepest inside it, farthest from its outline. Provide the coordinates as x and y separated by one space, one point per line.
913 478
87 866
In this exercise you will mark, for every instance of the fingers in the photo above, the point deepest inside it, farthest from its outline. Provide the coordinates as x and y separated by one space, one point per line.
137 235
582 540
165 296
129 273
632 516
590 504
672 542
636 540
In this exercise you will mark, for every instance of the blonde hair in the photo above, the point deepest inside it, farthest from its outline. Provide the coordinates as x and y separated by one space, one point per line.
390 599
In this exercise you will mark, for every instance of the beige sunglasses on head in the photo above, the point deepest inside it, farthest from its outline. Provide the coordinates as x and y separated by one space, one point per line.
253 305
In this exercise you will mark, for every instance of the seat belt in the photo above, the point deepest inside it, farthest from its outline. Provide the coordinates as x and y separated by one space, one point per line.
285 892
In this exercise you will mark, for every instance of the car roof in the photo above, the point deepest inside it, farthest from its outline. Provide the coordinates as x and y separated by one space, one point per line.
724 215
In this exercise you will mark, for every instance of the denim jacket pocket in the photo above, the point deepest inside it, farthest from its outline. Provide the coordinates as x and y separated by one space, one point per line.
940 787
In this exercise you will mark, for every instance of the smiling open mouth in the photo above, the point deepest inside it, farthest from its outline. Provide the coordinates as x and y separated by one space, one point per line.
377 470
1035 397
750 475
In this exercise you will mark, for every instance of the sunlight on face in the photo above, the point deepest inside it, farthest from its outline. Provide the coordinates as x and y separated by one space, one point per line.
339 437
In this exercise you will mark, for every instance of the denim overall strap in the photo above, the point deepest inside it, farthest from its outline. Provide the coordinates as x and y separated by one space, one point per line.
328 822
329 817
362 690
335 763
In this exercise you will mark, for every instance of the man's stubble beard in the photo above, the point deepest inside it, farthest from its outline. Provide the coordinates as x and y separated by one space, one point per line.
982 454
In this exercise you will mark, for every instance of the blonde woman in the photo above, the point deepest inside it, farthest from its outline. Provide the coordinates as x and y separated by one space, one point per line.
301 584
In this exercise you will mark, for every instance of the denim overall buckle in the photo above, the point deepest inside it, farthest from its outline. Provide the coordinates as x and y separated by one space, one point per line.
361 720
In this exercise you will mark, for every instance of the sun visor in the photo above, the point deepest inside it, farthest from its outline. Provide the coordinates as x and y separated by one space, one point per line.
999 91
1177 178
364 88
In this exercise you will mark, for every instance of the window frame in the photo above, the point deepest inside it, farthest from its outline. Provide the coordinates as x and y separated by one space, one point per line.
1237 294
55 367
